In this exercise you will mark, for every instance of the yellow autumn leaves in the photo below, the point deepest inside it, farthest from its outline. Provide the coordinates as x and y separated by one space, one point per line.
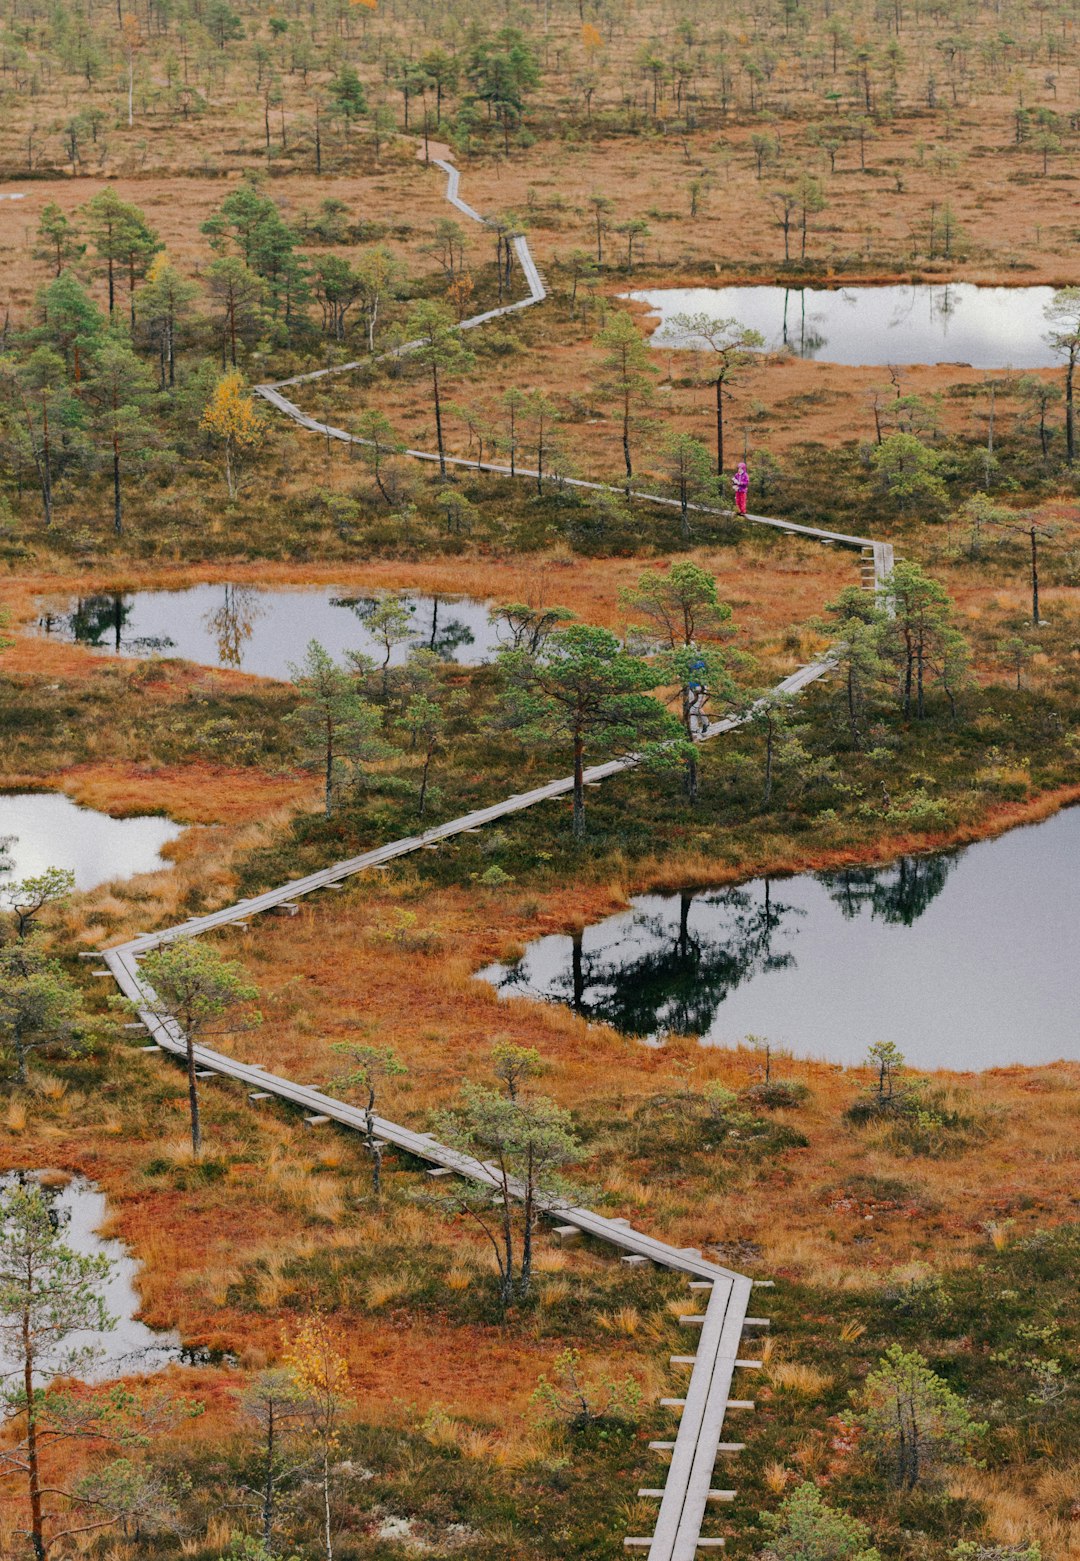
232 418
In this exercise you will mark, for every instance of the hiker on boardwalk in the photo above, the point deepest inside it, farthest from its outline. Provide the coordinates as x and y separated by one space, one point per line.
695 709
741 483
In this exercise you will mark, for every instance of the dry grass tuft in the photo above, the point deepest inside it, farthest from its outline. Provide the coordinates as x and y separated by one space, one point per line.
15 1116
549 1260
554 1291
799 1379
385 1289
625 1321
459 1278
776 1476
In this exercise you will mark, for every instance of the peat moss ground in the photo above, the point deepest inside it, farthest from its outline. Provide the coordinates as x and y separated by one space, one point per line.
964 1252
861 1230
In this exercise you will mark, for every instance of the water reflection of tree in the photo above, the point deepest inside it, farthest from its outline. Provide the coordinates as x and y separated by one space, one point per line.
804 338
97 620
446 638
441 638
677 981
898 895
233 623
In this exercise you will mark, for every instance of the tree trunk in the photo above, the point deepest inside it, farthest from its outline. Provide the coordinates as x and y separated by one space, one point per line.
1070 428
1035 620
373 1145
529 1217
268 1485
422 804
690 780
438 420
37 1532
626 437
193 1099
326 1499
118 512
46 464
719 427
853 708
579 787
329 769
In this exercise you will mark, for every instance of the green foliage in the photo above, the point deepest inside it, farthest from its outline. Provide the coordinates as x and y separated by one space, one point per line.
566 1398
526 1142
40 1006
195 987
28 898
339 730
911 1420
585 689
806 1528
908 474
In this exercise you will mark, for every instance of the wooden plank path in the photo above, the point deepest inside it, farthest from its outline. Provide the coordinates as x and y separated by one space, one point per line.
272 393
380 856
687 1489
688 1486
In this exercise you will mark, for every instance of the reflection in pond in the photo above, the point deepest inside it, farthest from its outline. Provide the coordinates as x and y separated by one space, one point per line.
46 829
79 1210
664 967
965 959
262 630
957 322
898 894
233 622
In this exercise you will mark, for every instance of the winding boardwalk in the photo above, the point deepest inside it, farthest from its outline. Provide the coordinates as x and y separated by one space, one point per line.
687 1491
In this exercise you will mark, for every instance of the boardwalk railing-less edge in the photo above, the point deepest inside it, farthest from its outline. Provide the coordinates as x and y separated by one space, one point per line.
688 1490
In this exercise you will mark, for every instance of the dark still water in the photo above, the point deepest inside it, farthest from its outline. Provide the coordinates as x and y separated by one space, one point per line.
956 322
969 959
262 631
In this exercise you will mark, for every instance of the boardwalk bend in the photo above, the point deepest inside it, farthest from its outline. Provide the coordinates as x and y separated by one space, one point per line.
686 1493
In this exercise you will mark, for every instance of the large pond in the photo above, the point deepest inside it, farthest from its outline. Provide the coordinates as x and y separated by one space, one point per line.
79 1209
46 829
985 327
965 960
262 630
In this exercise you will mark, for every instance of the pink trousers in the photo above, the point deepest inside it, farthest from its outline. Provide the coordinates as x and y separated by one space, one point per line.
740 500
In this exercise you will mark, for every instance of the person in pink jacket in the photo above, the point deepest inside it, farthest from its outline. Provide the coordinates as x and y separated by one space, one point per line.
741 483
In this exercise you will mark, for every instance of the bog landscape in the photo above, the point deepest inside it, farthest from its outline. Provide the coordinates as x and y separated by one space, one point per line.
539 737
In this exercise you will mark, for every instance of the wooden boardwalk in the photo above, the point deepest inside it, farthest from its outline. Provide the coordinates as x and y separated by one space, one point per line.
688 1486
687 1491
272 394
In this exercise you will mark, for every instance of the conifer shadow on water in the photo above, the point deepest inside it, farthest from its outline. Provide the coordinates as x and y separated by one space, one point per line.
965 959
263 630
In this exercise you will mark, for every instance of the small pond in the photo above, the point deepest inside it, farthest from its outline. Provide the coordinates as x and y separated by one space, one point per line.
957 322
46 829
79 1209
966 959
262 630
